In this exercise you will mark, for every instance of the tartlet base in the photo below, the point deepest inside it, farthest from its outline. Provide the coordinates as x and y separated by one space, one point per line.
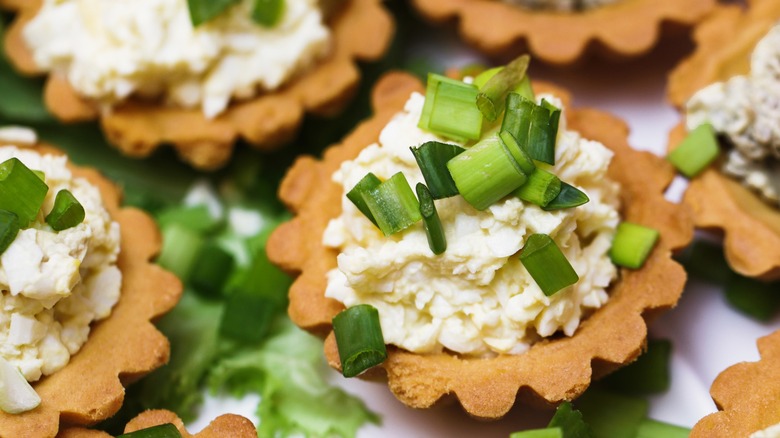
228 425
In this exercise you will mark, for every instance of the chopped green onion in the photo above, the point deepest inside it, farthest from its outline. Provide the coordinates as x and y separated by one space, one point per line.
554 432
611 415
393 205
432 158
524 160
211 269
649 428
492 95
267 13
196 218
180 248
359 339
517 118
449 109
202 11
569 420
543 132
547 264
436 239
368 182
569 197
648 375
632 245
166 430
481 79
9 228
696 152
754 298
21 191
66 213
525 89
540 189
40 175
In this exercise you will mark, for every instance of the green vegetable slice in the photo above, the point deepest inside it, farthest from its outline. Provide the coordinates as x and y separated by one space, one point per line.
570 422
697 151
179 250
367 183
543 132
433 229
569 197
211 269
197 218
540 189
167 430
21 191
359 339
486 172
550 432
9 228
66 213
648 375
449 109
481 79
492 95
393 205
649 428
518 152
547 264
267 13
517 119
632 245
202 11
432 158
611 415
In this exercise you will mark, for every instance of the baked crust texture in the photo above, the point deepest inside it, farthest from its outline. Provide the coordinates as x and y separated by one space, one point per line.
228 425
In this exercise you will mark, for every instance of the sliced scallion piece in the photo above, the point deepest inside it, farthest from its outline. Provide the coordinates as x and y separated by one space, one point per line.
525 89
166 430
547 264
540 189
569 197
21 191
543 133
481 79
197 218
436 239
570 421
359 339
454 114
647 375
486 173
696 152
492 95
432 158
179 250
202 11
211 269
757 299
550 432
40 175
632 245
393 204
368 182
267 13
650 428
9 228
517 118
66 213
524 160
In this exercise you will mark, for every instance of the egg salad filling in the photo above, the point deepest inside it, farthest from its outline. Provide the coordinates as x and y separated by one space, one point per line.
476 298
561 5
53 284
744 111
110 50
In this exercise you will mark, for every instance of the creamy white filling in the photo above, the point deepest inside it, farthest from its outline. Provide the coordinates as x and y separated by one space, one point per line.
476 298
769 432
561 5
54 284
113 49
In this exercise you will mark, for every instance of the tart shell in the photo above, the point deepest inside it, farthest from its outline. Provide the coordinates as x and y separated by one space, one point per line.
121 348
228 425
751 227
499 29
552 370
361 30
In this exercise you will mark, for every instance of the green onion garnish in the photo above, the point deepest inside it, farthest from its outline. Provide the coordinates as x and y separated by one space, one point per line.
544 132
647 375
540 189
449 109
696 152
432 158
632 245
524 160
492 95
368 182
481 79
569 197
547 264
180 249
754 298
393 204
612 415
9 228
66 213
197 218
202 11
211 269
570 422
649 428
267 13
21 191
517 118
436 239
359 339
525 89
167 430
40 175
550 432
486 173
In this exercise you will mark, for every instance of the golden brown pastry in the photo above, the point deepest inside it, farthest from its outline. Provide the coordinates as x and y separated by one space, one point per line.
228 425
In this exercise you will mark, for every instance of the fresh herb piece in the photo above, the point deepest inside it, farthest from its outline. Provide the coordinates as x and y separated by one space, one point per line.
697 151
432 158
486 172
433 229
197 218
483 76
632 245
649 428
570 422
393 205
267 13
66 213
16 394
180 248
9 228
611 415
547 264
569 197
649 374
540 189
492 95
449 109
525 89
21 191
517 119
202 11
757 299
518 152
543 132
359 339
550 432
167 430
366 184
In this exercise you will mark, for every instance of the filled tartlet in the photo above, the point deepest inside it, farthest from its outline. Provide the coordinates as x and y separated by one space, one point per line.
195 75
562 31
729 86
466 310
228 425
747 395
78 290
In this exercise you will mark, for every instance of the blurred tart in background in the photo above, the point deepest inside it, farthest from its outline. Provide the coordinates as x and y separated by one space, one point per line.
228 425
